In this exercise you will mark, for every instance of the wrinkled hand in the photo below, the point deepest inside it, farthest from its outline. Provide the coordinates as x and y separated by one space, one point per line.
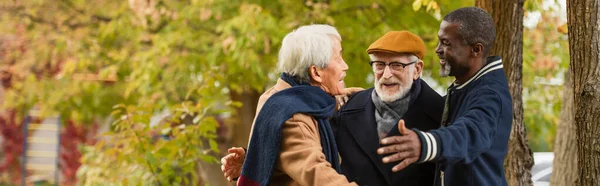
406 147
232 163
348 92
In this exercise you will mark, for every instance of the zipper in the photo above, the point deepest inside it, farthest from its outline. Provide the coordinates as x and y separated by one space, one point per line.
446 112
442 175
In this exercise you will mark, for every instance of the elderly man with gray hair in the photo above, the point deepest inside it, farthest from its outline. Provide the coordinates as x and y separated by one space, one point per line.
399 95
291 142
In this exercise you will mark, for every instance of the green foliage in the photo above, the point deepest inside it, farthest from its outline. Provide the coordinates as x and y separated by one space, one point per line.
160 52
162 155
154 56
81 58
545 61
145 55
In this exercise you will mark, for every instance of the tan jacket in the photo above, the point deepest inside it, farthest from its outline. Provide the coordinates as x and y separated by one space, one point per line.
301 159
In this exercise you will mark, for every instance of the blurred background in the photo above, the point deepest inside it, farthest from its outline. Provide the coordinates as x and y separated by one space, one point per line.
153 92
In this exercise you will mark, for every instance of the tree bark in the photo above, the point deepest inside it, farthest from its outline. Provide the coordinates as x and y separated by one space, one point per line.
242 120
508 18
584 46
564 166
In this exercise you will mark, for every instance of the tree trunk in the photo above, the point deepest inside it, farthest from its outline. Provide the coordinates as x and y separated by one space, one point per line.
508 18
564 167
242 120
584 47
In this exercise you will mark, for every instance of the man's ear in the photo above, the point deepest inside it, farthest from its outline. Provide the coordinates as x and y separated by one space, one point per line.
418 69
477 50
315 74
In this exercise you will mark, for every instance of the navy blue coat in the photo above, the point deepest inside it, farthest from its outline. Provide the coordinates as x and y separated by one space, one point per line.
470 148
356 136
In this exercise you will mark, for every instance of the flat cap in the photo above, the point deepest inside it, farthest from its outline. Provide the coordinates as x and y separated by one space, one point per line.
399 42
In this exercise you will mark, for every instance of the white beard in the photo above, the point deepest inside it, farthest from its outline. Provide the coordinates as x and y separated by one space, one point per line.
445 70
403 89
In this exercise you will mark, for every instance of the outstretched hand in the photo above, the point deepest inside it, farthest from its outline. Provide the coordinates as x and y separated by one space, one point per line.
232 163
405 148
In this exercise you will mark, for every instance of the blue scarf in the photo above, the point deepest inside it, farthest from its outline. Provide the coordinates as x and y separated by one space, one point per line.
264 147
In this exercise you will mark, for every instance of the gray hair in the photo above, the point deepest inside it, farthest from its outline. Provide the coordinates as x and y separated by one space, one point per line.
306 46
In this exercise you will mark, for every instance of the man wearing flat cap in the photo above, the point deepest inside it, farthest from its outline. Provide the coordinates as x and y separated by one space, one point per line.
373 114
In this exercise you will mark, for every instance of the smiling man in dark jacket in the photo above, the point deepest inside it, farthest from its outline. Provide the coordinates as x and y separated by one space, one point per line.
470 147
373 114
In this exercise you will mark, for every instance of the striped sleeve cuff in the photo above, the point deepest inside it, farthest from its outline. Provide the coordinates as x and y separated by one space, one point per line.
431 146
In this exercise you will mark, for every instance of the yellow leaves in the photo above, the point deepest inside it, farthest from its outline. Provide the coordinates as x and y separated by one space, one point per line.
150 12
75 115
203 2
235 104
563 29
108 73
430 4
317 6
120 105
116 113
417 5
142 151
144 9
228 44
250 9
205 14
68 68
164 151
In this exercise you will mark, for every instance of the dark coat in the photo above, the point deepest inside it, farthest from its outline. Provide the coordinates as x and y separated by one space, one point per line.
355 132
470 148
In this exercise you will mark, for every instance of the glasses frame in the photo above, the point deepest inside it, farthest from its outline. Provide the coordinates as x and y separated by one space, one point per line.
404 65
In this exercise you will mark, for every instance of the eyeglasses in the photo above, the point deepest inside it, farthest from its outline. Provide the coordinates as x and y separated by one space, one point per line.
379 66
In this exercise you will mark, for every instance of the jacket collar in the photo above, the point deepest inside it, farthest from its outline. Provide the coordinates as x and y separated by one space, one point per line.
360 121
362 127
493 63
280 85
